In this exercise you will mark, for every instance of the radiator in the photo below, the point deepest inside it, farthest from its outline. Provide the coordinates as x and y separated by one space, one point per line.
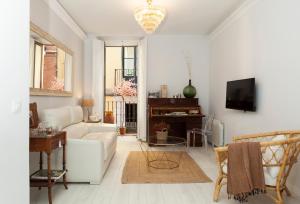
217 137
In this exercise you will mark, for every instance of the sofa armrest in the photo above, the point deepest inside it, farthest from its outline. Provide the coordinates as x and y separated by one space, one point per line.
101 127
84 160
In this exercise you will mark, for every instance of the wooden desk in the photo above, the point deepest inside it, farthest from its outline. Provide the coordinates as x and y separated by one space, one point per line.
160 110
47 144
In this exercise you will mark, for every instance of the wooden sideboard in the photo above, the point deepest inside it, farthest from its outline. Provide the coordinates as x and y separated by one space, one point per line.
179 114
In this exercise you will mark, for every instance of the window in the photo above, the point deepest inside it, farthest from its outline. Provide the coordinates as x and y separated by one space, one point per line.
129 61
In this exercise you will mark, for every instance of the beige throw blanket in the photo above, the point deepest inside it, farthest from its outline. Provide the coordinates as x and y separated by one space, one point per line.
245 171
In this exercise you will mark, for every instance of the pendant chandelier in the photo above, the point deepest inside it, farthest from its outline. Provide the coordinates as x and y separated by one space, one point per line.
149 17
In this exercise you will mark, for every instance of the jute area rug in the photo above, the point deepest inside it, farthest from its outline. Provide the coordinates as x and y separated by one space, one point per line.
136 171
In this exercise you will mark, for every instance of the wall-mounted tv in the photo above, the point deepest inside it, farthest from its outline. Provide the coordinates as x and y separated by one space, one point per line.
240 95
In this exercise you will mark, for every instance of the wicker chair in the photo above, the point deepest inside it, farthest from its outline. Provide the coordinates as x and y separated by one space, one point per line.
279 151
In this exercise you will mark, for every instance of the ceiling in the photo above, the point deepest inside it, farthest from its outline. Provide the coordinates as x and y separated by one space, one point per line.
115 17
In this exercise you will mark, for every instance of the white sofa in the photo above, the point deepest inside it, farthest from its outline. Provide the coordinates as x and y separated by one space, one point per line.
90 146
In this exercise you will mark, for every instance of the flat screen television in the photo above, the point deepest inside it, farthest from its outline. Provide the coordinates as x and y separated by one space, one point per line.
240 95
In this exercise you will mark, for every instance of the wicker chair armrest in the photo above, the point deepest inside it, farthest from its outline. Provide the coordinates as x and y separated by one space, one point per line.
221 149
221 154
268 134
280 142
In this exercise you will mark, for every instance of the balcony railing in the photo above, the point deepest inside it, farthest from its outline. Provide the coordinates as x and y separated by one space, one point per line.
122 111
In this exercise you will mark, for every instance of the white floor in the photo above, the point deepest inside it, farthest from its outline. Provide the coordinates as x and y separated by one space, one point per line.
111 191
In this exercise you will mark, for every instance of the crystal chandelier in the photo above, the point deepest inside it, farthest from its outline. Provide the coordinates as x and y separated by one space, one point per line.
149 17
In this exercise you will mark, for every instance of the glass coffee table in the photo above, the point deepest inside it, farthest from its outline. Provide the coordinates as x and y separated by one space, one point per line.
164 154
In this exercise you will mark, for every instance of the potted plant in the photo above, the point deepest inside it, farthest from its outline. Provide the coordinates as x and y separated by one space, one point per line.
124 88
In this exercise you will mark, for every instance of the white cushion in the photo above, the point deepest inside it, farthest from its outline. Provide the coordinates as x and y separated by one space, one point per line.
76 131
108 139
269 180
76 114
57 117
268 155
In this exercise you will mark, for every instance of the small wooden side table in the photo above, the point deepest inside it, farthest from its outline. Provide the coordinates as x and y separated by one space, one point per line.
48 177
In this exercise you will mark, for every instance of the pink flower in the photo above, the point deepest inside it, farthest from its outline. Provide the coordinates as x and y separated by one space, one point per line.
126 88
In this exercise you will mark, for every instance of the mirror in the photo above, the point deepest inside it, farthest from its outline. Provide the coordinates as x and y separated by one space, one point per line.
50 65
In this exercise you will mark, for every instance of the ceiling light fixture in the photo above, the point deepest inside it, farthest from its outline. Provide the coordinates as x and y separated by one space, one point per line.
149 17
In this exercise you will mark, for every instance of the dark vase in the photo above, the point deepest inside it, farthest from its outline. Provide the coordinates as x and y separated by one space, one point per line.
189 91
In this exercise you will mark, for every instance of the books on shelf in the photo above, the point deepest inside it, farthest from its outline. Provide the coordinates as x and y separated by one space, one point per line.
43 174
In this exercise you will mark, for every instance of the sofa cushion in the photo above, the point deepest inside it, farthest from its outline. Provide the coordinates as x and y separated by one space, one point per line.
278 154
108 139
57 117
101 127
76 114
76 131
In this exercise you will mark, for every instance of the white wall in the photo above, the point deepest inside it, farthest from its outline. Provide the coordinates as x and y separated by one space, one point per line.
14 66
262 42
142 88
45 18
166 64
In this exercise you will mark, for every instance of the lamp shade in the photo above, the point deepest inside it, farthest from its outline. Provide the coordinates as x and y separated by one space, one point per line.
87 102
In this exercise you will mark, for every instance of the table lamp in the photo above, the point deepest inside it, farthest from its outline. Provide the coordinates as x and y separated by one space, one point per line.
87 103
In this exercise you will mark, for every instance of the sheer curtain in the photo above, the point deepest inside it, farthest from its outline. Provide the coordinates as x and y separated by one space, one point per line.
142 90
98 76
94 73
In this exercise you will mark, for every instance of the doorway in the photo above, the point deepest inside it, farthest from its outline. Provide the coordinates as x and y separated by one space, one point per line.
120 92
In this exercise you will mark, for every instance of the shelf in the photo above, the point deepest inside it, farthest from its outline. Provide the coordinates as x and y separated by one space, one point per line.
42 175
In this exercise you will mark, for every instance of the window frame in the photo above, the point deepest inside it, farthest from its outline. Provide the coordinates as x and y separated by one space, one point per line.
125 58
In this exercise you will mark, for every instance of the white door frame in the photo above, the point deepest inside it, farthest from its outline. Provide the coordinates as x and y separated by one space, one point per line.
142 90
